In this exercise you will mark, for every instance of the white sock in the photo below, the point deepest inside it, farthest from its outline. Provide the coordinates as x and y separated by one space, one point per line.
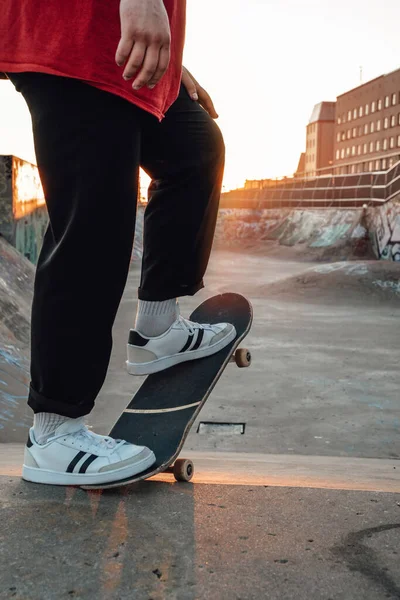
154 318
45 424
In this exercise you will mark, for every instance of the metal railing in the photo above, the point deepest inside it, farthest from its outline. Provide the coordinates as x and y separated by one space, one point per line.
323 191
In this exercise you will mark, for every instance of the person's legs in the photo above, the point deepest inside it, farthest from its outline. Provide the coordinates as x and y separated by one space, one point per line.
184 155
87 147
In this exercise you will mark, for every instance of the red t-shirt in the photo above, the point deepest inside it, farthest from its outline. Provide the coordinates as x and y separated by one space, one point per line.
79 39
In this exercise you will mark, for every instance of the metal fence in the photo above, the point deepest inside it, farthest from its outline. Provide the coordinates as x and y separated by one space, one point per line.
324 191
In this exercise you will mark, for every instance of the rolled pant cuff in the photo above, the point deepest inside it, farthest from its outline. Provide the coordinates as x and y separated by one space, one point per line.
40 403
168 294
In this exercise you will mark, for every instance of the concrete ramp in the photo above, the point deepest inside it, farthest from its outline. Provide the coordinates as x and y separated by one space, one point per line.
369 283
322 234
16 285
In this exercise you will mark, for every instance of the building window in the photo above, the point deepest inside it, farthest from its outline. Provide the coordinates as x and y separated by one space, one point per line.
377 165
387 101
398 141
372 127
391 163
393 121
394 99
337 154
367 109
349 115
353 151
343 135
353 168
359 149
348 151
385 144
366 128
373 106
354 132
380 104
371 146
338 136
339 120
365 148
370 166
360 111
360 130
342 153
378 145
386 123
348 134
392 142
355 113
378 125
384 164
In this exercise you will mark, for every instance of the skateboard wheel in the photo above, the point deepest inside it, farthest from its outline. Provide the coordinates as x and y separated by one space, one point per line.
183 469
243 358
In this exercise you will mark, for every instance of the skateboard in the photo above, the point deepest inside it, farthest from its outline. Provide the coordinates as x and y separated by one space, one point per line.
163 410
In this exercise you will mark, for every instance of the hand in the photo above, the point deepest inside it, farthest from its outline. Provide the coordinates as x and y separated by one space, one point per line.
197 93
145 41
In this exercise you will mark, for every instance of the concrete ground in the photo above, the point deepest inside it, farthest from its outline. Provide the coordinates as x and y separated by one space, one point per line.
305 504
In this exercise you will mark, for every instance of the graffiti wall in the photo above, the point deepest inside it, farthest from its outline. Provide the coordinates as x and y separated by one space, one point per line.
384 224
6 214
23 214
316 228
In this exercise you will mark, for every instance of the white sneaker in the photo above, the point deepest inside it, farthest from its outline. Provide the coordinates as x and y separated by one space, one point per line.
77 456
183 341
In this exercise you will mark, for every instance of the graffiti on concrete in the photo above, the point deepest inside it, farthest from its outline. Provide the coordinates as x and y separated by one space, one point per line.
6 216
29 232
385 223
384 285
23 214
347 268
315 228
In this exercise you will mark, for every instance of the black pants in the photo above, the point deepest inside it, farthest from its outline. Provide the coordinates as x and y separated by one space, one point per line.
89 146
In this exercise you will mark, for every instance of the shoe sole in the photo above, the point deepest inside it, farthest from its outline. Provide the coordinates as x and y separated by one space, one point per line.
35 475
155 366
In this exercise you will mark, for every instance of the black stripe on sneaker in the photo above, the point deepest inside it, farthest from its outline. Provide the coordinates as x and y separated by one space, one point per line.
135 339
29 442
87 462
188 342
200 336
75 461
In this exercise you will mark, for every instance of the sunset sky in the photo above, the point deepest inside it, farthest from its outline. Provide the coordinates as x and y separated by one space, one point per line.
265 63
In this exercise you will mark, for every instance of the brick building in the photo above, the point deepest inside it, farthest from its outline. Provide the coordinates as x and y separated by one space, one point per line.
367 131
320 138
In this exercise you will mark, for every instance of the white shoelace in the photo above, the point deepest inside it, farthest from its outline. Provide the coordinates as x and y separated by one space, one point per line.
190 326
89 438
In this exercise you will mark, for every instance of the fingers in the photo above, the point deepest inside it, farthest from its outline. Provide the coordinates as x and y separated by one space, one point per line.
206 102
135 60
151 62
189 85
123 51
163 63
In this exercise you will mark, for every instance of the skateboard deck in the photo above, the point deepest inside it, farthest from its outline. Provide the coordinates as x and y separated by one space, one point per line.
163 410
